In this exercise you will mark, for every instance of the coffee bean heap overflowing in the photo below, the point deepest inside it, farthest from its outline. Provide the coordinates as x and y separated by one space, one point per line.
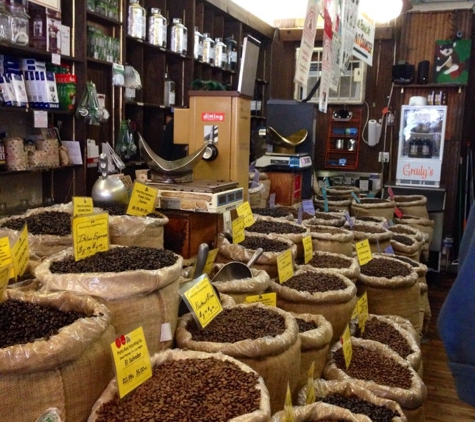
405 240
275 227
314 282
25 322
329 261
386 268
116 260
378 330
276 212
188 390
370 365
54 223
239 323
267 245
306 325
376 413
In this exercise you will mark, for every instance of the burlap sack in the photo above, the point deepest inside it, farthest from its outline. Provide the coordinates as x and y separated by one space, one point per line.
412 205
336 306
260 415
68 371
398 295
379 238
339 203
424 225
346 191
372 219
373 207
320 412
407 241
276 359
411 400
130 230
141 298
335 219
332 239
339 263
324 388
259 195
315 345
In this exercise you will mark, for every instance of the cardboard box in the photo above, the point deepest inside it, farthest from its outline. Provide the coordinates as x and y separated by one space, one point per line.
65 40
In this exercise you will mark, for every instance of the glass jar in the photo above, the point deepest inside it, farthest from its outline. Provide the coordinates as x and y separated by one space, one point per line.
208 49
20 24
198 45
231 44
169 92
220 53
136 23
5 23
157 28
179 37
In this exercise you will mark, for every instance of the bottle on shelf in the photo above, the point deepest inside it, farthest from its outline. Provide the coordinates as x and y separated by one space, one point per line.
198 45
157 28
179 37
5 23
169 92
136 23
220 53
208 48
20 24
231 45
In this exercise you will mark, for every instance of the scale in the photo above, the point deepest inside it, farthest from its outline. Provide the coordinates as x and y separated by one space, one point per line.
283 161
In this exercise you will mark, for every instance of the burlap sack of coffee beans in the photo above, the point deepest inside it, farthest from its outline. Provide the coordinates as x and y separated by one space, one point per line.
27 281
272 244
318 292
320 412
189 386
265 338
340 263
315 334
381 221
354 398
321 218
284 213
424 225
382 371
68 371
332 239
407 241
373 207
412 204
379 237
335 203
346 191
147 296
392 288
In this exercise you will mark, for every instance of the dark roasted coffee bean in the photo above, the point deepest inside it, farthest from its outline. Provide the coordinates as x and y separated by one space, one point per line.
386 268
306 325
55 223
329 261
266 227
267 245
315 282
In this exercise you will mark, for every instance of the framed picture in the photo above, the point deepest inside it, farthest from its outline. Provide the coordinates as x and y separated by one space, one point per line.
451 62
52 4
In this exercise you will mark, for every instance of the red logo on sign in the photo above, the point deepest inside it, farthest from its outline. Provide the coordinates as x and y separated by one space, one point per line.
212 117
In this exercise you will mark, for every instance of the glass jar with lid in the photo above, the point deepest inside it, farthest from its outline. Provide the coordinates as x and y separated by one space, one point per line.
20 24
136 23
179 37
231 44
208 48
5 23
198 45
220 53
157 28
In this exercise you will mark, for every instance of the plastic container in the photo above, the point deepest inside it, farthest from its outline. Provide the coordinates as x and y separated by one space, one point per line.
178 38
157 28
136 24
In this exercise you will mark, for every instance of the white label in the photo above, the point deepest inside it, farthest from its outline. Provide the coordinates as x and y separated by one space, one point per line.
40 119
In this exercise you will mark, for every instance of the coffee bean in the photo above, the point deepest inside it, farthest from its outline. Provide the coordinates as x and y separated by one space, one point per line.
267 244
385 267
315 282
266 227
306 325
55 223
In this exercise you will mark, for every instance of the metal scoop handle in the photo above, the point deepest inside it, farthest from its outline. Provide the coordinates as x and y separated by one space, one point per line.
255 257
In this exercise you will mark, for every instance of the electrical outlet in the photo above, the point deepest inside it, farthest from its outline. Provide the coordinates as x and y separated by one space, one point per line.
357 75
383 157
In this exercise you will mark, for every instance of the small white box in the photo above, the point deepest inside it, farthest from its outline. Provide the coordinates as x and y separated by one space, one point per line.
65 40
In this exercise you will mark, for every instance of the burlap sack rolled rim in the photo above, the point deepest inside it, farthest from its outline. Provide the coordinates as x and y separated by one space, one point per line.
328 233
317 338
131 225
258 283
352 271
395 282
372 231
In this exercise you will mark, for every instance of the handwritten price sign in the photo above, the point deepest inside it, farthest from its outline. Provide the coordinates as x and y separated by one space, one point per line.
143 200
90 235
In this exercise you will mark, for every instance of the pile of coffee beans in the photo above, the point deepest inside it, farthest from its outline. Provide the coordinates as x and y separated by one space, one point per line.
405 240
279 227
368 219
115 209
327 230
116 260
367 228
369 365
276 212
332 198
315 282
386 268
25 322
329 261
239 323
326 216
377 413
306 325
267 244
188 390
54 223
411 262
27 275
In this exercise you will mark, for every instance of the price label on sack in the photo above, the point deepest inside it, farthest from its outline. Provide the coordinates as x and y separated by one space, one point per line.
345 341
362 306
213 253
131 360
310 397
143 200
363 251
82 206
4 277
308 248
268 299
285 266
5 252
21 252
244 211
90 235
238 230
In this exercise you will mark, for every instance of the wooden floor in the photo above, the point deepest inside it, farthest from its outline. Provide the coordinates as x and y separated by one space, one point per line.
443 404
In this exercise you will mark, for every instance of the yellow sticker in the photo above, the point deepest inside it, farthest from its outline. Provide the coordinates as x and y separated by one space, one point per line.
285 266
354 315
21 253
238 230
82 205
143 200
90 235
131 361
346 345
244 210
5 252
288 408
4 277
203 301
308 248
268 299
210 260
310 398
363 251
362 311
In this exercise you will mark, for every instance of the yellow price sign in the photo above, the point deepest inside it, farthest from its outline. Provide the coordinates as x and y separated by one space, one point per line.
5 252
346 345
90 235
82 205
244 210
131 360
143 200
307 247
363 251
4 277
310 398
288 408
203 301
238 230
362 305
285 266
210 260
268 299
21 252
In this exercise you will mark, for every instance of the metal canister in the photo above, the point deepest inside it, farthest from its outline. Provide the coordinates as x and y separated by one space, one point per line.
198 45
136 23
208 49
178 38
157 28
220 53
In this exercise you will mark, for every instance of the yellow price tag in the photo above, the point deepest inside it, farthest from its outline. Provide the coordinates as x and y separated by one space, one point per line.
210 260
244 210
363 251
6 255
362 305
308 248
4 277
354 314
268 299
346 345
288 408
238 230
202 300
310 385
82 205
143 200
90 235
285 266
21 253
131 360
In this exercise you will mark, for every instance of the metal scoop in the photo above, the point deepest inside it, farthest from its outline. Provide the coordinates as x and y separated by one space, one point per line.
237 270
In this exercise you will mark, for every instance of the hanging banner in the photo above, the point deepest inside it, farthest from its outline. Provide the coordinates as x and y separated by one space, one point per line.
364 39
325 82
349 19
